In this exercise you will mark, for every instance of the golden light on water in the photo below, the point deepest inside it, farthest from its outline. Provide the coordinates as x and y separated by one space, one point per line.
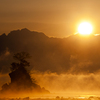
85 28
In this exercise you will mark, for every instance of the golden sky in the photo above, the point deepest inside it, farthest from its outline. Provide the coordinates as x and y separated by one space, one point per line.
58 18
73 61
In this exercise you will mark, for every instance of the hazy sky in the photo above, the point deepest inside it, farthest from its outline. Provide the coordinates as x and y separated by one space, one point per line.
73 62
53 17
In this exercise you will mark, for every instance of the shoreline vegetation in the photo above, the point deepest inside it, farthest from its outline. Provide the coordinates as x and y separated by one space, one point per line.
52 98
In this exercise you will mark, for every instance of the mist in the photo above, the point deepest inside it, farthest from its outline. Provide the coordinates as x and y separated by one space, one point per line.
58 65
64 83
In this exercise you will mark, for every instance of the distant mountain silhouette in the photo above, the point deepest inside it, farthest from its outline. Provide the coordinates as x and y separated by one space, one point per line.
74 54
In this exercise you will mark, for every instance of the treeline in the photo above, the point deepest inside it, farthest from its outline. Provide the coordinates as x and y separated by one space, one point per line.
55 98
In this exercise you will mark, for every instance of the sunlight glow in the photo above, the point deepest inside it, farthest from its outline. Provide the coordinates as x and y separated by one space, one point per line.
85 28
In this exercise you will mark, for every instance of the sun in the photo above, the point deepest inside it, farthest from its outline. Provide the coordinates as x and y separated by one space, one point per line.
85 28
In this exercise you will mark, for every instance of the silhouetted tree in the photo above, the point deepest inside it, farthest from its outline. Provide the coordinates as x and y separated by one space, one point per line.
19 73
21 57
20 78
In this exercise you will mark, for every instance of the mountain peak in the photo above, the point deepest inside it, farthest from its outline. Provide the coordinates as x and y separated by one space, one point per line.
3 35
26 33
25 30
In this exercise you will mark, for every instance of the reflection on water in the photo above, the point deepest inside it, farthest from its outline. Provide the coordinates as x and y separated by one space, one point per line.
53 96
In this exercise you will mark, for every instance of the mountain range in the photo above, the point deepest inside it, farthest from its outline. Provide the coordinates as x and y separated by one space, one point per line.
73 54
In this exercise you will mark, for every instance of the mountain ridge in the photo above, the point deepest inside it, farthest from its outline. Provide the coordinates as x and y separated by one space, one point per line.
53 54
